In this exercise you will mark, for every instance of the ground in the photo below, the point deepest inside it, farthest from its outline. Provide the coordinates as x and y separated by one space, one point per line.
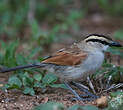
15 100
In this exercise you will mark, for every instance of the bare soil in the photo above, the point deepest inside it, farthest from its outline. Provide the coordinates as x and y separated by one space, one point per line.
15 100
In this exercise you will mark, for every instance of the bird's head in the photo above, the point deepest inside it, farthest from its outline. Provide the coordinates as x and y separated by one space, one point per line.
100 42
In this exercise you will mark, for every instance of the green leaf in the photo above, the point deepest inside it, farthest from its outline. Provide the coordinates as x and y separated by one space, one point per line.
49 79
50 106
76 107
29 90
27 80
116 101
88 107
38 84
6 86
114 94
15 82
59 86
37 77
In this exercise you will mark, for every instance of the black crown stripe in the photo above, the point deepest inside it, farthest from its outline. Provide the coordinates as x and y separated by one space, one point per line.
98 35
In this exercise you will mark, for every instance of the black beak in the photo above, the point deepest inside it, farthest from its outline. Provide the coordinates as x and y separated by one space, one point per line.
115 44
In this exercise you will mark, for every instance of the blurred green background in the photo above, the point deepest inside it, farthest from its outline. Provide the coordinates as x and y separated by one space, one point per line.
47 25
31 29
43 22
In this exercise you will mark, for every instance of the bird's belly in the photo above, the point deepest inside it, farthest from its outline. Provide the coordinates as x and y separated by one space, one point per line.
88 67
71 73
67 73
74 73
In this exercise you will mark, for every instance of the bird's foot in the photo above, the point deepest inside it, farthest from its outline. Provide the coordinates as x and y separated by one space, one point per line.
85 97
87 94
82 99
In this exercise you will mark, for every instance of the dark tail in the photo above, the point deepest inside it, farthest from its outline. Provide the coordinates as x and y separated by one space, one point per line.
21 67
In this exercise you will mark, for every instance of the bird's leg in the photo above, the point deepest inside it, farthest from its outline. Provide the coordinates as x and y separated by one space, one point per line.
82 86
73 91
84 90
91 85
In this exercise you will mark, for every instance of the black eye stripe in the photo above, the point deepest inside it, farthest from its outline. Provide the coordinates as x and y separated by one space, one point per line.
97 40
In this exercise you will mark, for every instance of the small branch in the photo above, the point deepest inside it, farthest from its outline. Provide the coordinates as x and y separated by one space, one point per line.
108 81
114 86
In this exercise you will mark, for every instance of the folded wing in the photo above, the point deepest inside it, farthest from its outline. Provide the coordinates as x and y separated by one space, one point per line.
69 57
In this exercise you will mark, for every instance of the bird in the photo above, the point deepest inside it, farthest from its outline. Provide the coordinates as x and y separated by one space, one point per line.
75 62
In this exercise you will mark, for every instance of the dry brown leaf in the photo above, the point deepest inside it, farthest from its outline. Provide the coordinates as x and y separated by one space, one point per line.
45 100
102 102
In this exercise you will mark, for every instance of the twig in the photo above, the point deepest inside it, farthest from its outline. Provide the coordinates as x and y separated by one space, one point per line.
108 81
114 86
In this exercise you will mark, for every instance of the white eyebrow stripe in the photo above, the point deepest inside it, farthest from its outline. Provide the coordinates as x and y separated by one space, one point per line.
96 37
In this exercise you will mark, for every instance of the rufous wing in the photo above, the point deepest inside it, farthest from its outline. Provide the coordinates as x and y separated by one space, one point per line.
68 58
